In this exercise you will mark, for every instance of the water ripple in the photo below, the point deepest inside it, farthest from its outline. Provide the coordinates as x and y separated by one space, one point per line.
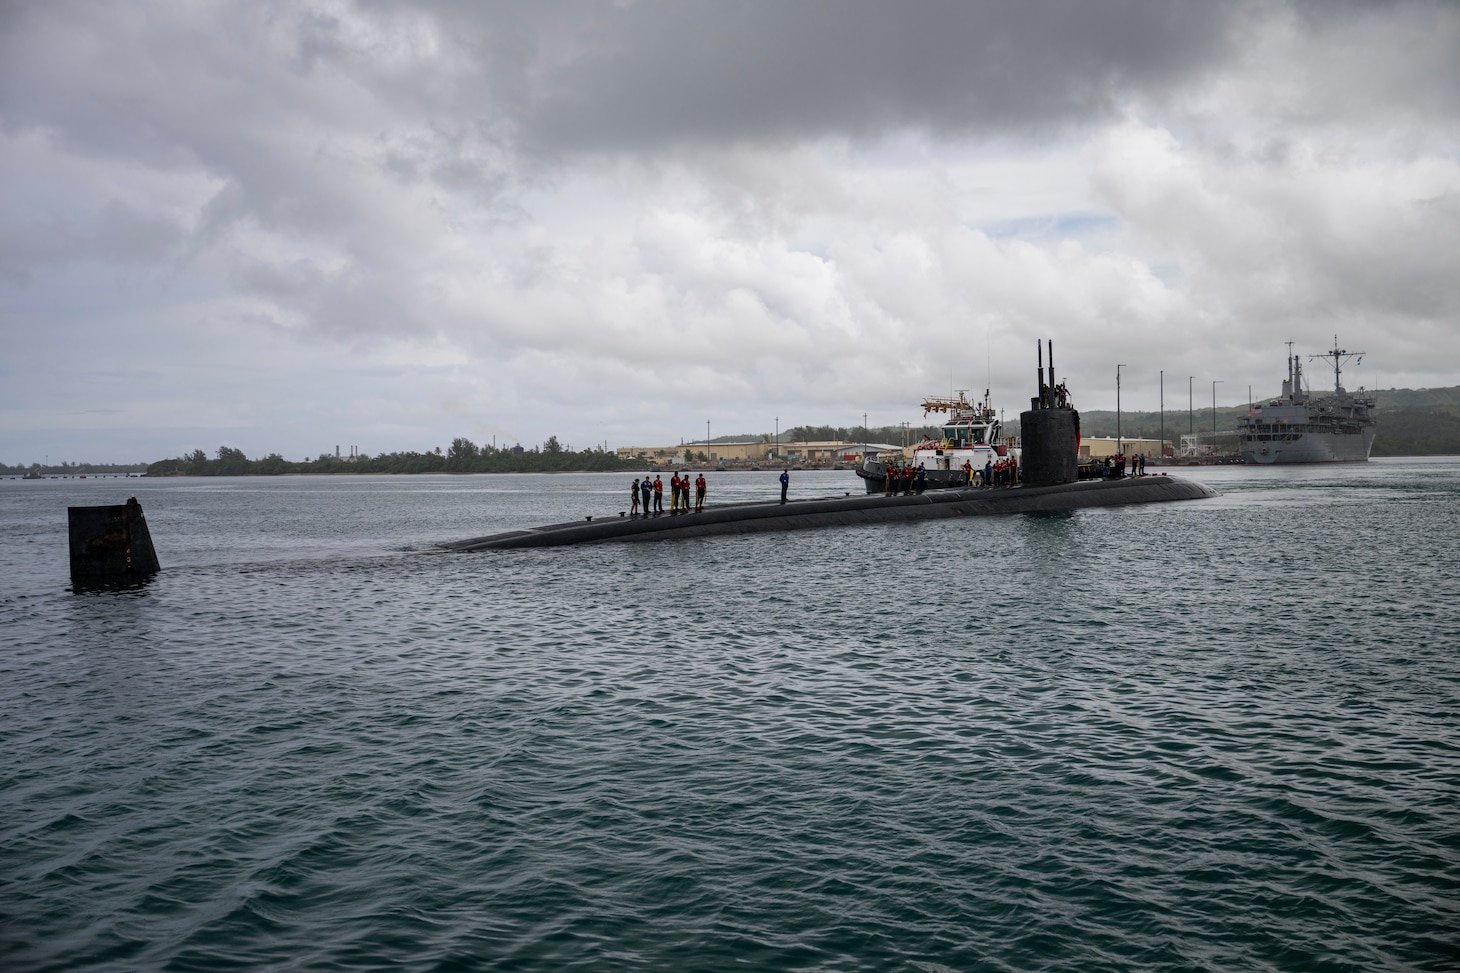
1206 736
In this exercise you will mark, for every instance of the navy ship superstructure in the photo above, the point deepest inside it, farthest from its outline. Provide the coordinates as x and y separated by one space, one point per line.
1300 426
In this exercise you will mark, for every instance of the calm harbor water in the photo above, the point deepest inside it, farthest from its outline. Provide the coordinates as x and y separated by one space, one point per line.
1218 735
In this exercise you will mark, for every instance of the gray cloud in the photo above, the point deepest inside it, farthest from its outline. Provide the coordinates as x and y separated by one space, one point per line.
650 74
513 213
641 76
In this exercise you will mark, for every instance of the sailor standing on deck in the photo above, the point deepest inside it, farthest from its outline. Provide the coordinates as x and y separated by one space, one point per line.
646 487
658 494
785 483
699 493
634 498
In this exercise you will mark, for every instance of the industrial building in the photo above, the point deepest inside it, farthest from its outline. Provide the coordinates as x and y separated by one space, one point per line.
1101 447
755 452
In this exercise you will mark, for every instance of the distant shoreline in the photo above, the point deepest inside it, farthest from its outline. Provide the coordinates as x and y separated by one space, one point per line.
86 474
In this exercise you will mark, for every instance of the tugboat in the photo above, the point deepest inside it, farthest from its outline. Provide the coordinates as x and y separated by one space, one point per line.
972 435
1302 427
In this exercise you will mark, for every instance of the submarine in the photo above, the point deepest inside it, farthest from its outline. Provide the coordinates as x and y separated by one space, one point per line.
1050 434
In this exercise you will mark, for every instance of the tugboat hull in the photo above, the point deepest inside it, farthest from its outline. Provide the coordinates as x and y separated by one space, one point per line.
874 476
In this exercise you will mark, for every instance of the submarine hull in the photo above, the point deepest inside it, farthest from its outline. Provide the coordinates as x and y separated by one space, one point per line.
843 511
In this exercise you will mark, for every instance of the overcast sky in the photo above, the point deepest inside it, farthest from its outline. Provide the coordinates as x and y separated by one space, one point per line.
280 227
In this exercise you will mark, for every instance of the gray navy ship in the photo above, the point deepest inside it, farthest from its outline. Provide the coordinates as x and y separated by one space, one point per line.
1305 427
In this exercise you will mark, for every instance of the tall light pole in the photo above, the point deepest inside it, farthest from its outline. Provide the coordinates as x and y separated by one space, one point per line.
778 437
1163 415
1119 442
1190 409
707 440
1215 383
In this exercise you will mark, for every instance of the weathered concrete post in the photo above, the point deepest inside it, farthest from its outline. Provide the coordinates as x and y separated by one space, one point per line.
1049 433
110 544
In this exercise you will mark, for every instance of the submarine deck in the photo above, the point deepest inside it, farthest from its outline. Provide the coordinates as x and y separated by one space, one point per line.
744 518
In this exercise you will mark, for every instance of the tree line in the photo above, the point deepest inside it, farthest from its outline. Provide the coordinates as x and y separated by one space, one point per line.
462 456
72 469
1411 422
882 435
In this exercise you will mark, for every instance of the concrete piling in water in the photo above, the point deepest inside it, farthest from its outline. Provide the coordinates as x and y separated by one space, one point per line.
110 545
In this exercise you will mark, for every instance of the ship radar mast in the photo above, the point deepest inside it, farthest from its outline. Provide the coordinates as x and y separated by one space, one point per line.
1339 356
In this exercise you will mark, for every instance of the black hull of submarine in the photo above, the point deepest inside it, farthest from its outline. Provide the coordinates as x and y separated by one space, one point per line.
747 518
